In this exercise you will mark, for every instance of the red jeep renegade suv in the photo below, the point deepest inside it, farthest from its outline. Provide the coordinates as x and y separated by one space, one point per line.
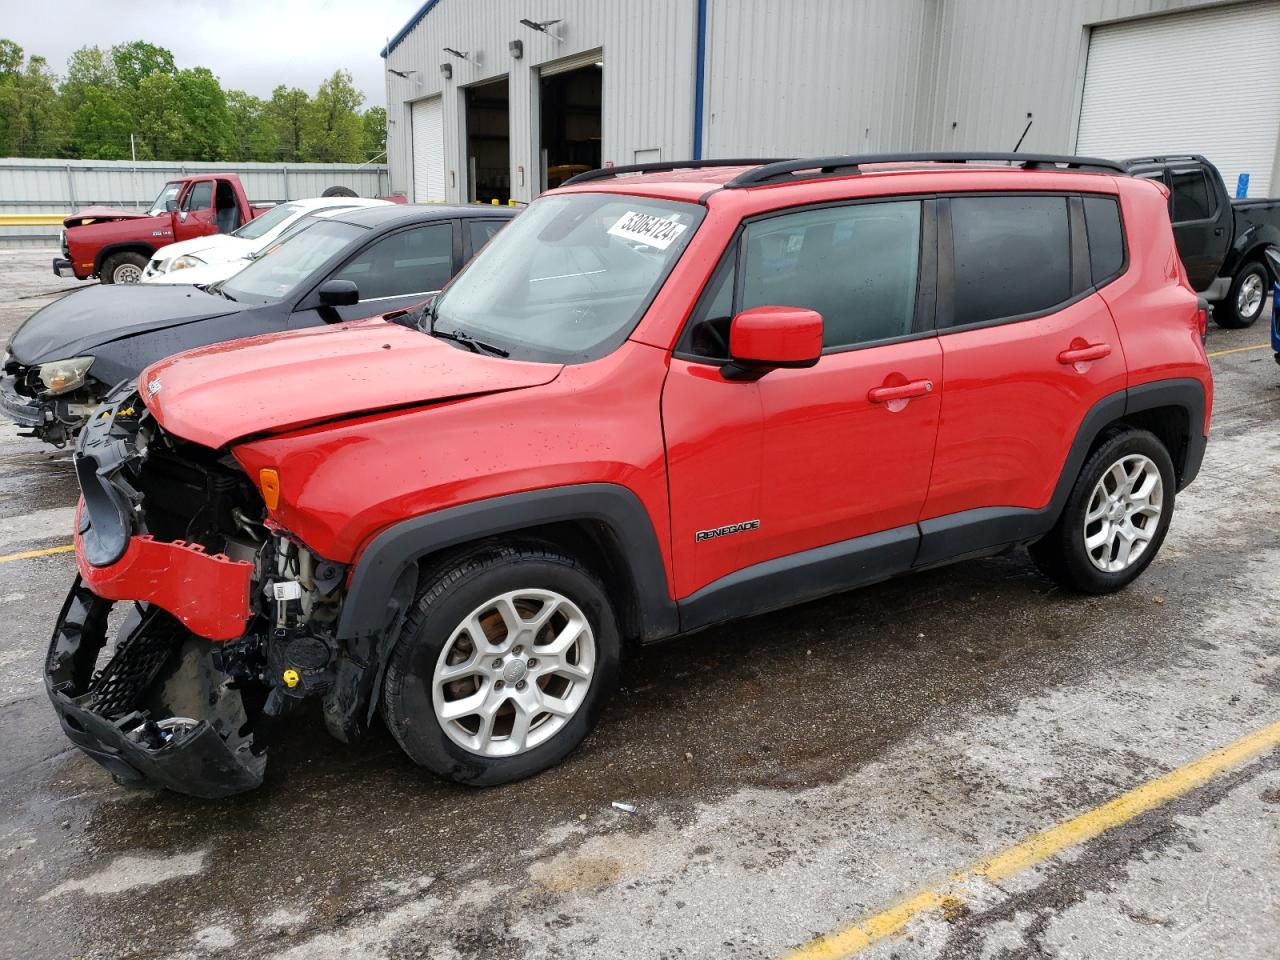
664 397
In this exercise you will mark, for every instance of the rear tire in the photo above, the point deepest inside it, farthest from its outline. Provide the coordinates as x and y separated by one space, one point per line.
123 268
478 688
1115 518
1245 299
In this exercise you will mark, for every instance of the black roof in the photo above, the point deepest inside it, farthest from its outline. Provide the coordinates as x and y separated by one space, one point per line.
397 214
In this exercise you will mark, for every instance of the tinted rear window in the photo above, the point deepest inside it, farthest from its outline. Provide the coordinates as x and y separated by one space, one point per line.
1190 195
1012 256
1106 239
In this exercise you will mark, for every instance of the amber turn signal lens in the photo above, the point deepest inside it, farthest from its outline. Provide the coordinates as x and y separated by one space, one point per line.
269 481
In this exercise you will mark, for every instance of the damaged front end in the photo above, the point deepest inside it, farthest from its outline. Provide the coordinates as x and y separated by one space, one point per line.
194 622
53 415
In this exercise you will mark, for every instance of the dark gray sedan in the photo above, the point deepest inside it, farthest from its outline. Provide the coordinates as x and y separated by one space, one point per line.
357 263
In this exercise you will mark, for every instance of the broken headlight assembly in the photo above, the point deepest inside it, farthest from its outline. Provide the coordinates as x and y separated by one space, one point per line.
182 263
63 376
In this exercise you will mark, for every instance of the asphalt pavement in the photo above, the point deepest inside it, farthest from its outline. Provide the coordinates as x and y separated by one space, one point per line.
965 763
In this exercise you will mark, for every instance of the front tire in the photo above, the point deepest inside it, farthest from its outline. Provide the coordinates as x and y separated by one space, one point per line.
1115 518
503 666
123 268
1245 299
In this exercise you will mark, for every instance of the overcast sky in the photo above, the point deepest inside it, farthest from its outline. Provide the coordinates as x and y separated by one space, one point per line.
251 45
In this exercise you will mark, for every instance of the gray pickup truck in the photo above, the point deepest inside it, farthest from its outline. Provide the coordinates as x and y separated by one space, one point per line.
1223 242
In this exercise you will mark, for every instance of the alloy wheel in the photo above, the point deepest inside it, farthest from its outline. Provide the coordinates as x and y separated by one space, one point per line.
1124 512
514 672
1250 296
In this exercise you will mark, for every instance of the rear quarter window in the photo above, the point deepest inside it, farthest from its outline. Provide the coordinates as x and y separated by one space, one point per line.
1106 238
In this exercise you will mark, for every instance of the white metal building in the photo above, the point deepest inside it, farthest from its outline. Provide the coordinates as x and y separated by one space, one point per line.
499 99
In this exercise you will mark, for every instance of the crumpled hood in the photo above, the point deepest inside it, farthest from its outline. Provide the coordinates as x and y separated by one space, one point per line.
101 215
91 316
220 393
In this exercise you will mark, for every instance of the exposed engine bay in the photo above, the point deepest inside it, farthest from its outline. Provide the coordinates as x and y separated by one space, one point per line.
140 682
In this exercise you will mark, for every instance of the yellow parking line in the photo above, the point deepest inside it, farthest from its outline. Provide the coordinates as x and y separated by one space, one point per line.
28 554
950 895
1223 353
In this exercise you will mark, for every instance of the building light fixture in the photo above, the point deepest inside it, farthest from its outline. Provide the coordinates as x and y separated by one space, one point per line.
543 26
446 70
517 49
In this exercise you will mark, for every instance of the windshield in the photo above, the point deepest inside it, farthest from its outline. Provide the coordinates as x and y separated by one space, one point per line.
284 265
170 192
256 227
569 278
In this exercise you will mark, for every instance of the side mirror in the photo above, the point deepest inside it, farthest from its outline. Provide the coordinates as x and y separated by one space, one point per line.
766 338
170 206
339 293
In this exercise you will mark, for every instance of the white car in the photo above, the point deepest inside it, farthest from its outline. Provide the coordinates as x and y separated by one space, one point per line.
220 255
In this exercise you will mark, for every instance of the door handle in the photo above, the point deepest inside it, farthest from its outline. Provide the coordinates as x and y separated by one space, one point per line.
906 391
1217 231
1093 351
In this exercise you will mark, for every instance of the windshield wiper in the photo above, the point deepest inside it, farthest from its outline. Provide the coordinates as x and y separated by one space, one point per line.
471 343
217 288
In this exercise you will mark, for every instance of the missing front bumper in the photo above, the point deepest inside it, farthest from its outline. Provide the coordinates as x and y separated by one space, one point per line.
158 711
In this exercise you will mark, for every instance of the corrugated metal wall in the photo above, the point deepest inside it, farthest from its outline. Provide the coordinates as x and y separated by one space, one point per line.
815 77
60 186
998 60
648 51
806 76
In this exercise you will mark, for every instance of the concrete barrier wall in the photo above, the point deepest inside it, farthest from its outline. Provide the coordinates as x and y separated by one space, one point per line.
36 194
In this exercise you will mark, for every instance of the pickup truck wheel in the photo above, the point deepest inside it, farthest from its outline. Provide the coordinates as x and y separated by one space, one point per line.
504 664
1115 518
123 268
339 191
1243 305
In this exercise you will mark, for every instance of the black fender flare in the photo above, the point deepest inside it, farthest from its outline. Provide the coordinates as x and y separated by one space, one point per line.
370 607
123 246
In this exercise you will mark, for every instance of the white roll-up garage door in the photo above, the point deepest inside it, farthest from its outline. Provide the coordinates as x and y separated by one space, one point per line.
1206 82
428 151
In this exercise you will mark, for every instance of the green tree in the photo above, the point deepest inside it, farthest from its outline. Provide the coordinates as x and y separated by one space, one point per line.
42 119
286 113
332 131
95 100
160 127
206 121
11 58
33 121
137 60
252 136
375 132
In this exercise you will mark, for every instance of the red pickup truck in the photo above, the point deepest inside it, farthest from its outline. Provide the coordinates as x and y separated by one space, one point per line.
114 245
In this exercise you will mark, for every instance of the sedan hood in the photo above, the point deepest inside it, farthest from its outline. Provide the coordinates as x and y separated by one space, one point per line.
87 318
214 395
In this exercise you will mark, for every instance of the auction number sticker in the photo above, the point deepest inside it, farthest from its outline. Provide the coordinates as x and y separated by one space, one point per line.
646 228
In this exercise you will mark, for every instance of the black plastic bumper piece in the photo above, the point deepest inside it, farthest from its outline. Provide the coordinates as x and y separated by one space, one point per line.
62 268
24 411
196 761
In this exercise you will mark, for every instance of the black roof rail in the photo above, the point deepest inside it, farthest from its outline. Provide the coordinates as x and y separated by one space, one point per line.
838 165
662 166
1164 158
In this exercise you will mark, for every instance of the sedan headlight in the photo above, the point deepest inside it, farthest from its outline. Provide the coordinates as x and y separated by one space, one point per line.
184 261
61 376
